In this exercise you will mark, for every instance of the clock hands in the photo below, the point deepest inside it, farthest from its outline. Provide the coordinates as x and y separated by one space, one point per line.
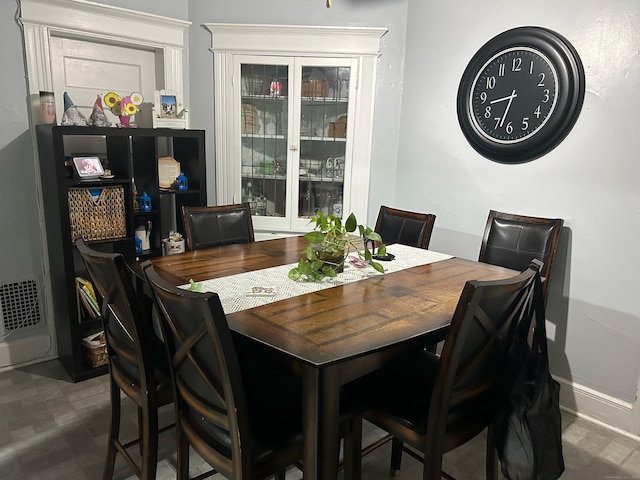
506 110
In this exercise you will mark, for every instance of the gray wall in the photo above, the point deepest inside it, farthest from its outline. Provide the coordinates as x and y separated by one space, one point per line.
20 245
591 180
422 161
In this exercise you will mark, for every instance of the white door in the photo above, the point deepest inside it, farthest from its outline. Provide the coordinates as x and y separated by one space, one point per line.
84 69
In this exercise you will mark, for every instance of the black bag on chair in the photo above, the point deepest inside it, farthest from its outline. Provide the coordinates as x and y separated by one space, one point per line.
527 426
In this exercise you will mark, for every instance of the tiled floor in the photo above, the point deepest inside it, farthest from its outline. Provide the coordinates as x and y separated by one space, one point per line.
52 429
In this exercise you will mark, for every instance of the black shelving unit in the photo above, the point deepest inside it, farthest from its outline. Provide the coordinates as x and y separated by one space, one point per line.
132 156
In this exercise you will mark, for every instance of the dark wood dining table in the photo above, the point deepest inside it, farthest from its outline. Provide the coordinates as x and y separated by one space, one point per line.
335 335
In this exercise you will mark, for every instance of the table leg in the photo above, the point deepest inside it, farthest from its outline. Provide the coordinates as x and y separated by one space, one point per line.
320 409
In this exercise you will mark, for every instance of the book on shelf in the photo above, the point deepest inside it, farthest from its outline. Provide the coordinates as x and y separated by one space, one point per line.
88 297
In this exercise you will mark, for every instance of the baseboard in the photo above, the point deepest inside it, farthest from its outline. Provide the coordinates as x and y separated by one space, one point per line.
609 412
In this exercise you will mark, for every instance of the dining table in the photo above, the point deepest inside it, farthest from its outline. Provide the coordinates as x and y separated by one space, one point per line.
334 331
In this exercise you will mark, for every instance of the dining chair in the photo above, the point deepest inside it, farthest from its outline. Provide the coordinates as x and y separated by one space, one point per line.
435 403
511 241
207 227
405 227
138 365
240 414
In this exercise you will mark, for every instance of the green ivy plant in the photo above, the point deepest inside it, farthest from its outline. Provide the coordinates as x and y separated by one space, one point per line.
330 242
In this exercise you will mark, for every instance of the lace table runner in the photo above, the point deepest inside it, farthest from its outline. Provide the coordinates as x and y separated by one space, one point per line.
238 292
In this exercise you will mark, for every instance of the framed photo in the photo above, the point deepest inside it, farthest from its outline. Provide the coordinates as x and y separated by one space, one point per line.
168 110
168 106
88 168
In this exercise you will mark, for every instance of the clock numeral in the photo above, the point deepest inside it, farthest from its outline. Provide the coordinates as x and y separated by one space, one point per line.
545 96
491 83
483 97
508 128
536 112
541 82
531 68
516 65
501 69
525 124
487 111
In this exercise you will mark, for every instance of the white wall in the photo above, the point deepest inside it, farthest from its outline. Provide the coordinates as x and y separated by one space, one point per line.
591 179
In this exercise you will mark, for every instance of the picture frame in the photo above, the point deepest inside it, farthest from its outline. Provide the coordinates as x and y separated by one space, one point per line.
168 110
88 168
168 106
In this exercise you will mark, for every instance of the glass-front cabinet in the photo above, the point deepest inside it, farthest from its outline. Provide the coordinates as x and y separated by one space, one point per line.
293 130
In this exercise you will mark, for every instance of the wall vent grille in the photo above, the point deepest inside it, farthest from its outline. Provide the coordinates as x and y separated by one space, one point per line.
20 305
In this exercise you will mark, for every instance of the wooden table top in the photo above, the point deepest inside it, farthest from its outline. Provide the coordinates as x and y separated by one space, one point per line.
339 323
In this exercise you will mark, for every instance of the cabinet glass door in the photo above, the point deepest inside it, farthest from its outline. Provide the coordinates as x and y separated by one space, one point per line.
324 102
264 132
294 138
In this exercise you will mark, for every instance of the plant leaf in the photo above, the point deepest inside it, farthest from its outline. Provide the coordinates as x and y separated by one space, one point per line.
378 267
314 236
351 223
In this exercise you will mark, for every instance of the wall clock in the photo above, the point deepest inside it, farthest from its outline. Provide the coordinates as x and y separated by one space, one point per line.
521 94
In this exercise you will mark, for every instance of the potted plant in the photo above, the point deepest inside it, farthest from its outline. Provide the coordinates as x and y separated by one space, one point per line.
330 242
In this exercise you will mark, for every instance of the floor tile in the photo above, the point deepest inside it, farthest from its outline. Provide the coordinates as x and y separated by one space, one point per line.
52 429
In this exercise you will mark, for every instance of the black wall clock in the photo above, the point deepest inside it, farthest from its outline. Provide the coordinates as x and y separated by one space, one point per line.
521 94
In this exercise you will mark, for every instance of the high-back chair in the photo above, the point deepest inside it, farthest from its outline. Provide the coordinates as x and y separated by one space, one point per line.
138 365
401 226
242 415
207 227
437 403
512 241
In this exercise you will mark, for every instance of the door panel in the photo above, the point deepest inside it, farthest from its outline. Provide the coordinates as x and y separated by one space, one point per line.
84 69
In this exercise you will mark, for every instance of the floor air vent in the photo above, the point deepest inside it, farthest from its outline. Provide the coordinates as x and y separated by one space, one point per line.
20 305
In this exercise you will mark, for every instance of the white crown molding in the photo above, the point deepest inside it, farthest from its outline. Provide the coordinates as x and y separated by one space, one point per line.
92 18
295 39
81 19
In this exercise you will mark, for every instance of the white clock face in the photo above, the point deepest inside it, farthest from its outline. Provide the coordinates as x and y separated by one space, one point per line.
513 95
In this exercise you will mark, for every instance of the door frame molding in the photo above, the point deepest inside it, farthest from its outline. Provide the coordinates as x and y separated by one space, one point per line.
79 19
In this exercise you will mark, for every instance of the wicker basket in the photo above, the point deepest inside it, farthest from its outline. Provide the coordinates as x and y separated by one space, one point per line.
315 88
94 349
97 213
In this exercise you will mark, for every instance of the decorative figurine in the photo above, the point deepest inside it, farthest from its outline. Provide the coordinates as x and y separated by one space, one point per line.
98 118
182 182
145 202
72 115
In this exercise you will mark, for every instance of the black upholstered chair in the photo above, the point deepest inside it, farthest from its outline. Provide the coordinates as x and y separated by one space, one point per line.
242 415
138 364
401 226
437 403
512 241
207 227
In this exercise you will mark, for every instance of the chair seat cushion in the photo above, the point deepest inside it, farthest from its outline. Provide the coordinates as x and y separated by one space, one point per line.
161 370
274 410
401 390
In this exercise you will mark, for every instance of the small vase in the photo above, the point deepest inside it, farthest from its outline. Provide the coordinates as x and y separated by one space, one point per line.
125 121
